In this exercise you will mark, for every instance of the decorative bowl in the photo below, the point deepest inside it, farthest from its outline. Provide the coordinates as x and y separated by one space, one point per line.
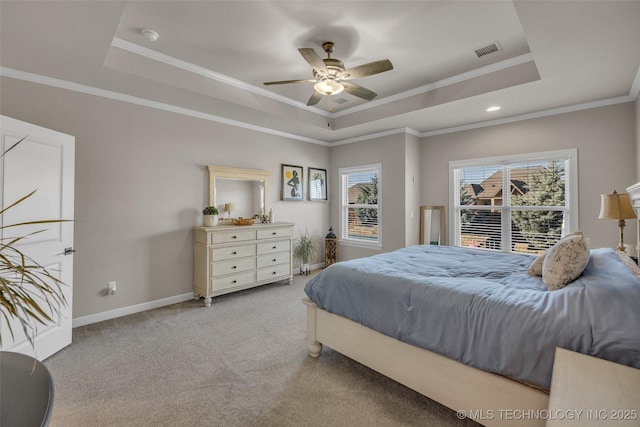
244 221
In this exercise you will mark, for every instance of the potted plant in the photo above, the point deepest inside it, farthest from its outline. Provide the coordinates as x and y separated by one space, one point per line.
210 216
28 291
304 250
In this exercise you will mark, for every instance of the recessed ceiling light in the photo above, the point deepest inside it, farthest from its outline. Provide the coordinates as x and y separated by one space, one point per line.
494 108
150 35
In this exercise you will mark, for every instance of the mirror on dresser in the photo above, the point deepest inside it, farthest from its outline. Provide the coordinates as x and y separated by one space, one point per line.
244 189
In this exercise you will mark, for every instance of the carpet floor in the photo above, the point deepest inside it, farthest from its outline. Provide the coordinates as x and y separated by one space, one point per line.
241 362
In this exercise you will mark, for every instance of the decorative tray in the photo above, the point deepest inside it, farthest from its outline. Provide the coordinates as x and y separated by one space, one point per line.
244 221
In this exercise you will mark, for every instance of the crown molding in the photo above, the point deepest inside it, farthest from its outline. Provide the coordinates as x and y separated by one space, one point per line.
530 116
76 87
222 78
209 74
405 130
90 90
478 72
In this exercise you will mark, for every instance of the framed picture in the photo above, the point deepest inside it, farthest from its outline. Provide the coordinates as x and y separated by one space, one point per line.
317 184
292 183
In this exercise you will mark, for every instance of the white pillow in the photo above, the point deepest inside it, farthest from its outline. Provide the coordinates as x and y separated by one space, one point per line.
565 261
535 269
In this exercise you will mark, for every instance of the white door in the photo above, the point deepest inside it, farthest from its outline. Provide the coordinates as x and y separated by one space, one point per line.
44 162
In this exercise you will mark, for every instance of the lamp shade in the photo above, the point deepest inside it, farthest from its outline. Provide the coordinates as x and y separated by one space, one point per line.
616 206
229 207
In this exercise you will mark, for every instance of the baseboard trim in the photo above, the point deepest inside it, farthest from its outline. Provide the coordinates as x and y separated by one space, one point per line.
132 309
296 269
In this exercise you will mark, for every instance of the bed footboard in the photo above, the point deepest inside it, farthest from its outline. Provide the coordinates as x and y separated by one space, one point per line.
314 346
489 399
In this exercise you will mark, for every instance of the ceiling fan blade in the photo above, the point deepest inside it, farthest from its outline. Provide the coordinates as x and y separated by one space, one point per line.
313 59
286 82
359 91
315 98
366 70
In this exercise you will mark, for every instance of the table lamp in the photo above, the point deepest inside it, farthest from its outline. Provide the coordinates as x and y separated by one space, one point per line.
617 206
228 207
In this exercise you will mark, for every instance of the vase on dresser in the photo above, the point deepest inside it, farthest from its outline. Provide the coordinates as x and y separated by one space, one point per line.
210 220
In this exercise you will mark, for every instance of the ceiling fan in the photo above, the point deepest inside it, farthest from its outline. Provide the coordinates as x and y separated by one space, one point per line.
330 75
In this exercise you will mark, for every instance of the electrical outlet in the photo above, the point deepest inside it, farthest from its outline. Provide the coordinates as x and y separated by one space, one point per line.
112 287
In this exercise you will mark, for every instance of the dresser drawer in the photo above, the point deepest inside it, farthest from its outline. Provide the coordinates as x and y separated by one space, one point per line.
273 259
271 247
231 281
273 272
220 268
274 232
232 252
232 236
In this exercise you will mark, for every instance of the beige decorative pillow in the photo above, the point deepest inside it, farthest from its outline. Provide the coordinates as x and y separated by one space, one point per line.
565 261
629 262
535 269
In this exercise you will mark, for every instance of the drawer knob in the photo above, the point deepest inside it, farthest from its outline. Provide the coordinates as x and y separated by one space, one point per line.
274 233
235 281
275 247
234 267
234 253
274 273
275 259
234 237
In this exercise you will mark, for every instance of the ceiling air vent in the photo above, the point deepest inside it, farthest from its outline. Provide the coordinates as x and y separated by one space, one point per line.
486 50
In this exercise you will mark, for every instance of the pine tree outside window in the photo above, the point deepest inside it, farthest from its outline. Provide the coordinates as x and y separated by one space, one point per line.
360 212
521 203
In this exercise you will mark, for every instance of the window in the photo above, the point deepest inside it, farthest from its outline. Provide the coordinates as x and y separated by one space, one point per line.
360 213
521 203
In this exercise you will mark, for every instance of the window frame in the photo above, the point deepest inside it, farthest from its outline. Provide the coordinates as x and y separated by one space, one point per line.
571 219
343 174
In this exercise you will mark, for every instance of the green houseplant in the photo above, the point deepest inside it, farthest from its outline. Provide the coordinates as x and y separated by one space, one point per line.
210 216
29 292
304 250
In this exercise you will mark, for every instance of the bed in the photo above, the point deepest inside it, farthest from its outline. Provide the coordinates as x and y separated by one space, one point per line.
470 328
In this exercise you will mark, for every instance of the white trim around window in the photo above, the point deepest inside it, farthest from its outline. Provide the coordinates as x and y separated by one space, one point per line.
361 230
570 207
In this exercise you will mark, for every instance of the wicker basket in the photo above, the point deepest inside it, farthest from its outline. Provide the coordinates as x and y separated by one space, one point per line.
243 221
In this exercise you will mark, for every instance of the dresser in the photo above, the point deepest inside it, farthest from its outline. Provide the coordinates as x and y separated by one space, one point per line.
228 258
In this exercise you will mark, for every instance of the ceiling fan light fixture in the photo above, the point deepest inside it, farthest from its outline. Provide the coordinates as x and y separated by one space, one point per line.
328 87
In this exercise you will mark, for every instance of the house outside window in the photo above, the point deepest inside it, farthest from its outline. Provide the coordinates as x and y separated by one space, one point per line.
522 203
360 211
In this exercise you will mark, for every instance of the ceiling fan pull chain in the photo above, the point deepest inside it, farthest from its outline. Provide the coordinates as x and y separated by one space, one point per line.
330 109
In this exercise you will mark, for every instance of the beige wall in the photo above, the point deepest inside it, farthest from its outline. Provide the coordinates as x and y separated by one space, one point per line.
390 152
141 185
413 187
606 143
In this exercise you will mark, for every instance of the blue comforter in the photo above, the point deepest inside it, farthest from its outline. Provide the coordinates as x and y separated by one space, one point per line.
482 309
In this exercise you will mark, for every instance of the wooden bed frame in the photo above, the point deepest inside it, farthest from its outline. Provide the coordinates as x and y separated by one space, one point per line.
489 399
